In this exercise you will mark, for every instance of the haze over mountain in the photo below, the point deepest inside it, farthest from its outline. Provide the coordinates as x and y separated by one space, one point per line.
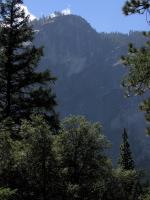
102 15
89 78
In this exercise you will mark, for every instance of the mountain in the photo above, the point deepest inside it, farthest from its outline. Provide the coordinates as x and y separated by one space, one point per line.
89 77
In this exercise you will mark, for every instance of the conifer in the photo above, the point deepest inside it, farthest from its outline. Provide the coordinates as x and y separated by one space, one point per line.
23 90
126 160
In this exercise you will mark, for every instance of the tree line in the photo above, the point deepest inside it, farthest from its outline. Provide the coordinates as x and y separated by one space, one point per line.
70 165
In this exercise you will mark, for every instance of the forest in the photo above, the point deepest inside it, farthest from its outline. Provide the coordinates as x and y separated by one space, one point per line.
44 157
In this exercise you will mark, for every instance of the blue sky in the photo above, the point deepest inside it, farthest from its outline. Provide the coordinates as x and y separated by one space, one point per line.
103 15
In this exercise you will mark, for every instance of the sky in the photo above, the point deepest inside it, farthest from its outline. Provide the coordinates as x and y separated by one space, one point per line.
103 15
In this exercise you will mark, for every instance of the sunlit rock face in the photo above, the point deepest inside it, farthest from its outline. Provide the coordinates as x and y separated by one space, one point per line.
89 79
70 44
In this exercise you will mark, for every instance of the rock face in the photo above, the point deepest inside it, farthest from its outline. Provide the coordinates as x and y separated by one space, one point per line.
89 81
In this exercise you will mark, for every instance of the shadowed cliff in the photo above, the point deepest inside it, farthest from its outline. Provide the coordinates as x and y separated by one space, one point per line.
89 79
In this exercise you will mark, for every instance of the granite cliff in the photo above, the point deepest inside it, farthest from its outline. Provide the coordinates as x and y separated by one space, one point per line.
89 79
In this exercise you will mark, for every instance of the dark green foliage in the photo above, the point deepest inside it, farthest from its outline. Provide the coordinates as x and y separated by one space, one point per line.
6 193
145 106
137 79
84 167
29 167
123 185
135 6
126 160
39 160
44 166
71 165
9 174
23 90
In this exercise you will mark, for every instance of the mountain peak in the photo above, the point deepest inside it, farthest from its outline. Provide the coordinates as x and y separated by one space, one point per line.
88 83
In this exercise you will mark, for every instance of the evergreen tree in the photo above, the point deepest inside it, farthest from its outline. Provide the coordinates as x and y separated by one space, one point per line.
23 90
137 78
135 6
136 81
126 160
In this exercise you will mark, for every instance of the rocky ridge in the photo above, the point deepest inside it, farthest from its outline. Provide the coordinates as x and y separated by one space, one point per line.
89 80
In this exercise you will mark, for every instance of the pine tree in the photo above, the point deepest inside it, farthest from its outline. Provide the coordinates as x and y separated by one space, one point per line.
23 90
136 81
135 6
126 160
